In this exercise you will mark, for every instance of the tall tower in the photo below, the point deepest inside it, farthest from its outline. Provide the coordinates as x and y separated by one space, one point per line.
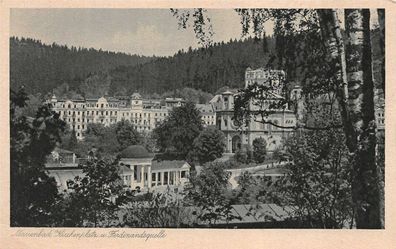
268 77
136 101
228 100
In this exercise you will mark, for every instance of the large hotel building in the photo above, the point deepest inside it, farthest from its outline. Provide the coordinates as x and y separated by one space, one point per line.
145 115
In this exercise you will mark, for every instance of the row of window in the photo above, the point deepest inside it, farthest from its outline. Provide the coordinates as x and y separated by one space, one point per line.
111 105
111 113
88 112
183 174
78 127
106 113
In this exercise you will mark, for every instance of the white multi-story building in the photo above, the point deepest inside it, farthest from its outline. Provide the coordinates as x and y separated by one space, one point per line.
144 115
208 114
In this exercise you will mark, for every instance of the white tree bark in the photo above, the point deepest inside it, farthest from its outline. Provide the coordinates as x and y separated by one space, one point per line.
365 179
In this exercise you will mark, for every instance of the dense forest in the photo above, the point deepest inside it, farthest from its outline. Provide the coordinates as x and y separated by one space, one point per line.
80 72
206 69
88 72
40 68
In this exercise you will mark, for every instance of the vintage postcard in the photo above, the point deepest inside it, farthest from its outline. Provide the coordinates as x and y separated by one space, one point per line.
197 124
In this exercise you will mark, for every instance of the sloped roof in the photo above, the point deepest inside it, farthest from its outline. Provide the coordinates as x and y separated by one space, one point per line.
112 99
60 150
161 165
256 214
92 99
174 100
215 99
124 169
135 151
206 108
136 96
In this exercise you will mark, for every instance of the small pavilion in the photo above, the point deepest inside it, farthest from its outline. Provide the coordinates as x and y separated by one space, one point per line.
138 159
146 174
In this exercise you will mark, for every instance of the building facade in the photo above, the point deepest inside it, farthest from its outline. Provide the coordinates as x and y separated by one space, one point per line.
144 114
237 136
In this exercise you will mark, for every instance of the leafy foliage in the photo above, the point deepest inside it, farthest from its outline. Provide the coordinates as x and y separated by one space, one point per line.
149 142
209 192
127 134
95 198
259 149
72 143
254 190
317 183
33 193
160 210
209 145
179 129
102 138
244 155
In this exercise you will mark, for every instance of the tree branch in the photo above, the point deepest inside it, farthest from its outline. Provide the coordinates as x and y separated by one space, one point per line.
297 127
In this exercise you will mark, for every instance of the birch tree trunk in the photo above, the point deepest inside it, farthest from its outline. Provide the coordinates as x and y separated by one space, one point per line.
381 22
365 179
331 32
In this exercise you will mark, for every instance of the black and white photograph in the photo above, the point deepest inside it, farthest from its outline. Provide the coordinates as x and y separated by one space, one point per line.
226 118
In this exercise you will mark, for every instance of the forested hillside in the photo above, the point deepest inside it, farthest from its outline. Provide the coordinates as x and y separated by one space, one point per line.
41 68
79 72
206 69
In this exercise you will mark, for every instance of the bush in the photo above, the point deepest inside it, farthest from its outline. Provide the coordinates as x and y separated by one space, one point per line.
244 155
209 145
259 150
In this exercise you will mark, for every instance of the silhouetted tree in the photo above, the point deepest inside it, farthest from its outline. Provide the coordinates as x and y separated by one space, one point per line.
33 193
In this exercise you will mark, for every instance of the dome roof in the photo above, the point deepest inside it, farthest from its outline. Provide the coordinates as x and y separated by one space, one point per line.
135 151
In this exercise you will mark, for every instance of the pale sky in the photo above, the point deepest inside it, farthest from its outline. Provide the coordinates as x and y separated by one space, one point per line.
135 31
